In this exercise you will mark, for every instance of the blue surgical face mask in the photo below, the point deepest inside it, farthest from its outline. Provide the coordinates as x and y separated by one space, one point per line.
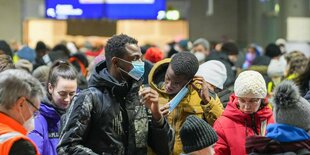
137 71
178 98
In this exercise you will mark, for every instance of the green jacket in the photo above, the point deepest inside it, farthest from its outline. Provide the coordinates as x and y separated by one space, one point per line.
190 105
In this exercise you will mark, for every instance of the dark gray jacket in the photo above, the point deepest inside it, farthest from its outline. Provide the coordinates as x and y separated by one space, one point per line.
230 68
107 118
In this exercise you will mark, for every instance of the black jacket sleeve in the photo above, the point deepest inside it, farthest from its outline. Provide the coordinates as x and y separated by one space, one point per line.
74 126
161 140
22 147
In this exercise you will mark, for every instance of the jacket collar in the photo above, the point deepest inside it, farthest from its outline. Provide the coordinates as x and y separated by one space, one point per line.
12 123
232 111
48 109
157 75
101 78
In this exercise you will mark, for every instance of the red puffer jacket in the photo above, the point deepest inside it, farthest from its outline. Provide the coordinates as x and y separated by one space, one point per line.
234 126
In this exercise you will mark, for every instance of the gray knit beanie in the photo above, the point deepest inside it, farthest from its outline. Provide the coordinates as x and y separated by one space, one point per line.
289 107
196 134
201 41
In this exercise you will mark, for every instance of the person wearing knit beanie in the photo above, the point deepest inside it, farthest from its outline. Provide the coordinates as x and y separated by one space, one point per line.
246 114
153 54
250 84
289 107
197 136
290 133
214 72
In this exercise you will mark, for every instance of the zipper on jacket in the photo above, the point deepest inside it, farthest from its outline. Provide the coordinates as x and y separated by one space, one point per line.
125 125
246 128
253 124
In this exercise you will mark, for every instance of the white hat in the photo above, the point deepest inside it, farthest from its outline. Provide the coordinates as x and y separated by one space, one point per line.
250 84
277 67
280 41
214 72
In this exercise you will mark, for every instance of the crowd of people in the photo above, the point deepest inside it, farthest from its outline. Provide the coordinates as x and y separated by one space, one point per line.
122 98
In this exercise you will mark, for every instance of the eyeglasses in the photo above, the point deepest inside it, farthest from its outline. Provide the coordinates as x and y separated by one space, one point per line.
36 109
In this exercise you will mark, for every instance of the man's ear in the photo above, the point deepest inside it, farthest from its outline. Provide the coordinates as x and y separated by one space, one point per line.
20 101
114 61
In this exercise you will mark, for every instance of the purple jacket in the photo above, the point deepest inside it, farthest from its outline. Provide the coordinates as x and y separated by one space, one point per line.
45 134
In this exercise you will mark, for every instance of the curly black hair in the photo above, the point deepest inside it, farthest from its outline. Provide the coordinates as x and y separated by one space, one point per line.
184 63
116 47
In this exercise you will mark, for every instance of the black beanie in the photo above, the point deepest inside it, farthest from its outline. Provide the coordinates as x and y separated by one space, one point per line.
230 48
196 134
272 50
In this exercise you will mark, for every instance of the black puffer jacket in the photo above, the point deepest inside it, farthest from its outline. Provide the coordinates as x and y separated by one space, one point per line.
107 118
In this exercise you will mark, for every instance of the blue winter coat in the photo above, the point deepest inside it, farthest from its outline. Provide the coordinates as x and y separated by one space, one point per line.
280 139
286 133
45 134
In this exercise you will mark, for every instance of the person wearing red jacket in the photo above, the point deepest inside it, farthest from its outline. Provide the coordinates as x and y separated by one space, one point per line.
245 115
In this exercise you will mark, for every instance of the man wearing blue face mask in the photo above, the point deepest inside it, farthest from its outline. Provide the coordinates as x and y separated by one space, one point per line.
109 117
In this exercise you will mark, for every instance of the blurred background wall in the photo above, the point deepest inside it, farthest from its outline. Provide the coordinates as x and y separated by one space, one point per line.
244 21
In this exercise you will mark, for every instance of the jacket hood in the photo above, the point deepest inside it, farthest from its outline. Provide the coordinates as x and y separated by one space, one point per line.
101 78
48 110
157 75
232 111
224 57
286 133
